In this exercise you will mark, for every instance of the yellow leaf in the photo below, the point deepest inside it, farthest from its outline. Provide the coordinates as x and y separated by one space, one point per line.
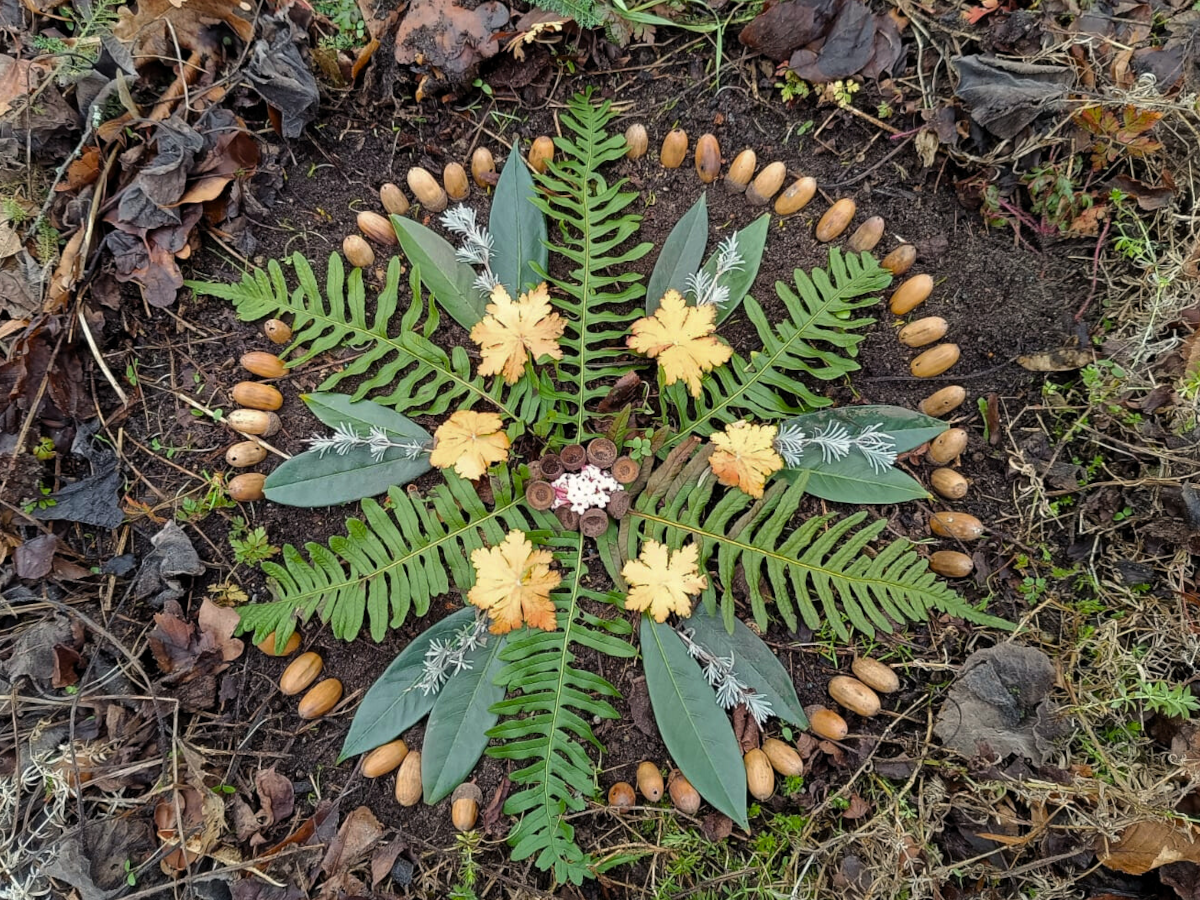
513 330
745 456
513 583
680 337
470 442
663 583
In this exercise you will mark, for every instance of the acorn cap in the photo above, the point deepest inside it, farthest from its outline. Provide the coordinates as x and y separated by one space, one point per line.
539 494
550 466
594 522
601 452
573 457
568 518
618 504
625 470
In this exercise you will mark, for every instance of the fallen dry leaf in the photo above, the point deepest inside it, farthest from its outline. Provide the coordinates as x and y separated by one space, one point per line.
662 582
513 331
745 456
513 584
1063 360
470 442
1147 845
681 338
276 796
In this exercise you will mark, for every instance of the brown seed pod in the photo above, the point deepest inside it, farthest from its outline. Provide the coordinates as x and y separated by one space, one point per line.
573 457
796 197
621 796
951 563
636 141
393 199
766 184
483 168
949 484
683 795
245 453
650 781
426 190
900 260
454 177
674 149
854 695
246 487
255 395
827 724
320 699
541 153
836 220
962 526
550 466
290 646
784 758
625 470
408 779
601 452
262 364
301 672
568 518
539 494
384 758
357 251
708 158
377 228
947 446
923 331
593 523
876 675
464 806
618 504
741 170
941 402
911 294
866 236
935 361
253 421
760 778
277 331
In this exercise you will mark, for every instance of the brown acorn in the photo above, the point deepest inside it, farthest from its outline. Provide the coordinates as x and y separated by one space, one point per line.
866 236
911 294
377 228
483 168
621 796
951 563
934 362
962 526
784 758
277 331
876 675
683 795
650 781
947 446
941 402
674 149
246 487
854 695
708 158
541 153
454 177
264 365
393 199
923 331
289 647
836 220
320 699
636 141
384 758
796 197
301 672
900 260
426 190
766 184
949 484
245 453
741 170
254 395
253 421
760 778
408 779
464 806
827 724
357 251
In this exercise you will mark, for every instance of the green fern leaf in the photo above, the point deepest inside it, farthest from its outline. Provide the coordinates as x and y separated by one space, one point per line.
586 13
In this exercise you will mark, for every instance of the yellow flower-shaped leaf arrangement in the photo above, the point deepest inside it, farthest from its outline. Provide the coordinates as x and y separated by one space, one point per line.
513 584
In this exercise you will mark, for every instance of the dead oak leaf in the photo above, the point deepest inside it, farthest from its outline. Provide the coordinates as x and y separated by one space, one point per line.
514 330
680 338
745 456
662 582
469 442
513 584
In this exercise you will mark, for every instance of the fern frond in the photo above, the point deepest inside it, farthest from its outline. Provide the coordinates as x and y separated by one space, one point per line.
399 364
816 338
586 13
593 227
546 721
393 561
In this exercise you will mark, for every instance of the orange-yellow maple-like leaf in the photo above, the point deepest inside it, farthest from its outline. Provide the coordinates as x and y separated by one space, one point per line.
745 456
680 337
470 442
513 583
513 330
662 582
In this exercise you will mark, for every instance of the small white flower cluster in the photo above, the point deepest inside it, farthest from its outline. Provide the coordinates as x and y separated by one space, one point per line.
583 490
345 438
445 658
835 442
719 672
478 244
706 287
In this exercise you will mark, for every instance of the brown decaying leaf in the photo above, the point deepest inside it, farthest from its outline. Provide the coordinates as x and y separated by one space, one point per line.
449 37
276 796
358 834
858 808
716 826
1147 845
384 858
1063 360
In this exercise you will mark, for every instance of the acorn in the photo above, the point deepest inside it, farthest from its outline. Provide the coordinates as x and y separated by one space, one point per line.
900 260
254 421
760 778
836 220
766 184
289 647
854 695
625 470
393 199
301 672
741 170
384 758
636 141
797 196
264 365
923 331
245 453
454 177
949 484
426 190
911 294
876 675
377 228
601 452
934 362
951 563
947 446
254 395
408 779
277 331
961 526
320 699
621 796
866 236
357 251
464 806
827 724
541 153
483 168
943 401
683 795
674 149
246 487
708 158
649 781
784 758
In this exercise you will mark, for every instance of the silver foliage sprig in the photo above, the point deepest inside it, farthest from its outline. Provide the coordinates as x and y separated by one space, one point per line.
719 672
447 657
345 438
707 287
835 442
478 245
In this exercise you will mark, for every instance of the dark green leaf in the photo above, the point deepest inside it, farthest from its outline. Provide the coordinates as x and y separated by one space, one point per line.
694 728
681 254
518 227
449 279
908 429
752 241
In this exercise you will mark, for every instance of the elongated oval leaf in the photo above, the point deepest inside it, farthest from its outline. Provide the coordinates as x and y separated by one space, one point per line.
694 728
854 480
518 227
681 254
449 279
752 241
456 735
754 663
394 703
